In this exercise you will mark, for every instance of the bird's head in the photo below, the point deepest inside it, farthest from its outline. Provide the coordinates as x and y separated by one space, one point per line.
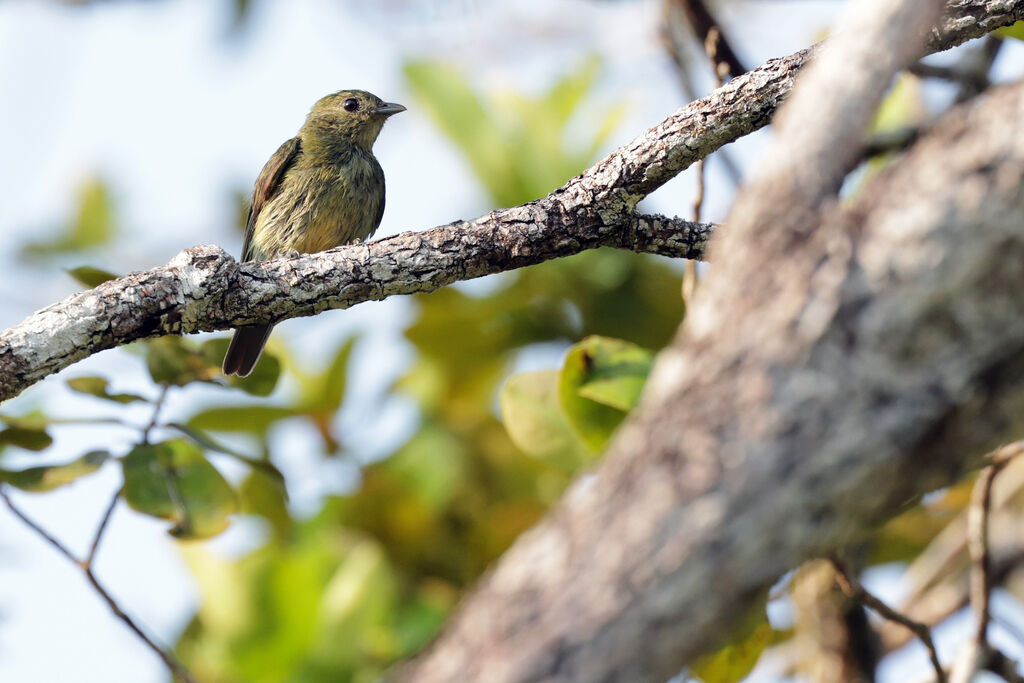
354 114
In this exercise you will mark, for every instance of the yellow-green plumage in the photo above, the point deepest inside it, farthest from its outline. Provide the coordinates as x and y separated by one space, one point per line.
321 189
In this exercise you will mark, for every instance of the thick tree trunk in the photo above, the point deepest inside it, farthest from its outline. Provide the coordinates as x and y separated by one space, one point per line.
837 364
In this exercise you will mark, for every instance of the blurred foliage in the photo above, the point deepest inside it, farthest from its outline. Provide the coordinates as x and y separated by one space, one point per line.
92 226
384 564
516 144
1015 31
48 477
90 276
371 576
734 661
903 106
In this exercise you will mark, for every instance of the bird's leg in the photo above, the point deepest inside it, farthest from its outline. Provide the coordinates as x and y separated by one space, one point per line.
294 253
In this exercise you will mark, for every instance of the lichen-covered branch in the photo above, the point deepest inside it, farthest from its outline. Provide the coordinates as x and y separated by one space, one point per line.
203 289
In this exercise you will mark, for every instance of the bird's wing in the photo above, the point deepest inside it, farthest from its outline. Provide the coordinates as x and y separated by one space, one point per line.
378 173
267 184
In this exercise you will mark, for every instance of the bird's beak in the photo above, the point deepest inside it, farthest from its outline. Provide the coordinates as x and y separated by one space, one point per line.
389 108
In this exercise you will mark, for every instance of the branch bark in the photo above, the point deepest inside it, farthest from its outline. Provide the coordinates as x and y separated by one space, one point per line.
837 364
203 289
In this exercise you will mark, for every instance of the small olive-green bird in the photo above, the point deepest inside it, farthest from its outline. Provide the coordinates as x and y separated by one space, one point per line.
321 189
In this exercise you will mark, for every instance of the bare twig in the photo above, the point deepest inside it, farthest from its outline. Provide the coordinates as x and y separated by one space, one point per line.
61 548
94 547
713 46
977 544
979 654
158 404
176 667
855 591
703 23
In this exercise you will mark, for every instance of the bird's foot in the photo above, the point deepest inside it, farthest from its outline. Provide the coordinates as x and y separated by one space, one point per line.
294 253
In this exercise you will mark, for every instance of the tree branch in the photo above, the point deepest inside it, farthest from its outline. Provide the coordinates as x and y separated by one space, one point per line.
176 668
824 376
855 591
203 289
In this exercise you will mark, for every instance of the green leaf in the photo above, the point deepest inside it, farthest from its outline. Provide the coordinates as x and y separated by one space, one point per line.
430 467
1011 31
49 477
903 105
90 276
733 662
261 381
616 371
265 496
209 443
27 437
333 380
173 481
172 360
534 419
97 386
254 419
565 97
450 100
93 226
600 381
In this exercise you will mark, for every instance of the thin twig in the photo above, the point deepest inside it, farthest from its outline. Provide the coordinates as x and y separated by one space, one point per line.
713 46
855 591
101 529
977 545
157 405
61 548
172 663
981 652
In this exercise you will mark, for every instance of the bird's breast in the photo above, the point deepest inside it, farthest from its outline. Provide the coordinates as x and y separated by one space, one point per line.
319 208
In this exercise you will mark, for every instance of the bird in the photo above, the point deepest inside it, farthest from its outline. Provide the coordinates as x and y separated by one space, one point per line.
321 189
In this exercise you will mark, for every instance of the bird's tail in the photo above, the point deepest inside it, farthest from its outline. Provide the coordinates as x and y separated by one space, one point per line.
245 349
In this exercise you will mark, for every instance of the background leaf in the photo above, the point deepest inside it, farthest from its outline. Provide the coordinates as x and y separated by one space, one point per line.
49 477
173 481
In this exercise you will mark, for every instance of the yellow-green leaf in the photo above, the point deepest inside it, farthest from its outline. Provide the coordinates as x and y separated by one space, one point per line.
90 276
734 661
29 438
255 419
1012 31
98 387
601 381
94 224
49 477
533 417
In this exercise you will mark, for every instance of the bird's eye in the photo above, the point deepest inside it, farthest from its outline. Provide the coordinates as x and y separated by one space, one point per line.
351 104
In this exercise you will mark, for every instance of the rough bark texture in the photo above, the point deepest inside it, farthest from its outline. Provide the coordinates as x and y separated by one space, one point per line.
203 289
837 364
